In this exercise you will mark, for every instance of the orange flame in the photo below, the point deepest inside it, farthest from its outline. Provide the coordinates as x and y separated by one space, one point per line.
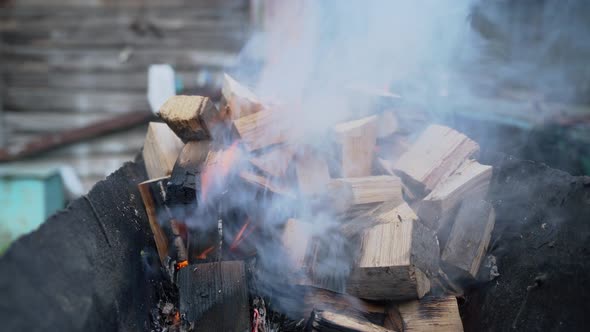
206 252
218 169
181 265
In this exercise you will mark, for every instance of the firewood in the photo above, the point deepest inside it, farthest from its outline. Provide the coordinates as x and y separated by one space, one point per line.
386 124
469 239
471 178
357 139
239 99
153 193
297 246
312 172
372 189
436 154
326 320
160 150
184 181
265 128
266 184
383 213
395 260
215 296
440 314
190 117
274 162
322 299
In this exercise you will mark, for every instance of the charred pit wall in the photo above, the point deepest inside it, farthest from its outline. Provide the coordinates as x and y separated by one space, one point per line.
82 269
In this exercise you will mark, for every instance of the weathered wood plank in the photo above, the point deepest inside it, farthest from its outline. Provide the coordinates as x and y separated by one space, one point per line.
74 100
42 76
128 142
97 59
105 37
92 4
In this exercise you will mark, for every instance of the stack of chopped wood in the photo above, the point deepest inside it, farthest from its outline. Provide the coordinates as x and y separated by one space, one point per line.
412 207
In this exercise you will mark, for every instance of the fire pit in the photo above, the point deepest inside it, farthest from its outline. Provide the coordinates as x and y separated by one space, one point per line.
232 251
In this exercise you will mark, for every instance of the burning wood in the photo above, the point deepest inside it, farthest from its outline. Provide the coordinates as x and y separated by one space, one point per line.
153 194
325 320
215 296
430 314
391 199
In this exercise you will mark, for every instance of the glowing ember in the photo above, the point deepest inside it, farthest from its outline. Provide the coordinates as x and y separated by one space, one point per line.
181 265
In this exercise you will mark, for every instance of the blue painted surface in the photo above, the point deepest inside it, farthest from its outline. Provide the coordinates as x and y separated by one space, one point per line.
26 200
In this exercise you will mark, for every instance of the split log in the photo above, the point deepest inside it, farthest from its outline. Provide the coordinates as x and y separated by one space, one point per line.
274 162
325 320
297 244
357 139
470 179
469 239
440 314
160 150
386 212
436 154
265 128
312 172
372 189
153 194
395 260
239 99
322 299
215 296
386 124
266 184
185 179
192 118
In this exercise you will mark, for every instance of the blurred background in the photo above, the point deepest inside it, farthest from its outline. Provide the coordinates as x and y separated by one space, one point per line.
78 84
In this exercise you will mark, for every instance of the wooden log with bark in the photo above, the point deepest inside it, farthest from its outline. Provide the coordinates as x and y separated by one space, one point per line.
185 178
469 239
153 194
215 296
160 150
192 118
395 260
330 321
435 155
440 314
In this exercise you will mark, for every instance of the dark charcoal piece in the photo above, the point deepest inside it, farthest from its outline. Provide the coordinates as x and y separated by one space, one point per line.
215 296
